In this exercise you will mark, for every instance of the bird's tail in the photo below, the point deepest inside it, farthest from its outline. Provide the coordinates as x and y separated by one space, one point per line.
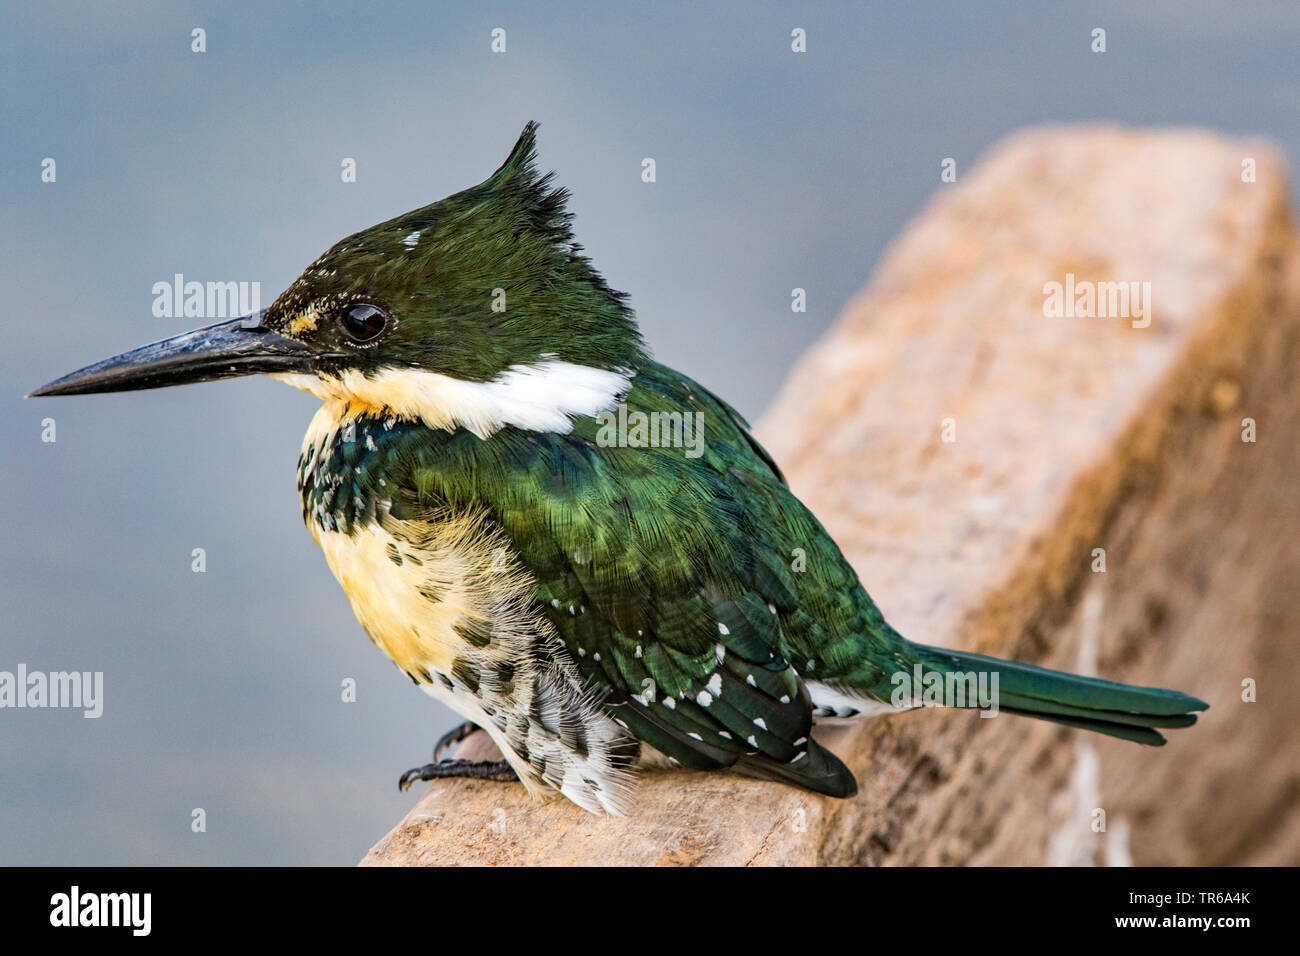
1118 710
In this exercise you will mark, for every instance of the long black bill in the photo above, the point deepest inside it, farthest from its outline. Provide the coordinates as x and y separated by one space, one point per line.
224 350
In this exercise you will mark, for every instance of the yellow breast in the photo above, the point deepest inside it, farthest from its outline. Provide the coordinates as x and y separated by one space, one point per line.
391 600
435 592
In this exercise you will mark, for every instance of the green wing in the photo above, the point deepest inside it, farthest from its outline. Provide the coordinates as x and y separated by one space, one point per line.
666 573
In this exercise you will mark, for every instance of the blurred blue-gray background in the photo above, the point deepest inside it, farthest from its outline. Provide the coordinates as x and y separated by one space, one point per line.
774 170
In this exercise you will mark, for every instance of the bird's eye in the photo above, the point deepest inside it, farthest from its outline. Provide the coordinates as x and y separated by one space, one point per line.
362 322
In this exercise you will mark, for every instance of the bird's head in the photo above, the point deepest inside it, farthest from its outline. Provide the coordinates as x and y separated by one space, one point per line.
478 310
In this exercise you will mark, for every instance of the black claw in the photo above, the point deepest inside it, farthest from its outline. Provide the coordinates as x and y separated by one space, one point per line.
453 736
473 769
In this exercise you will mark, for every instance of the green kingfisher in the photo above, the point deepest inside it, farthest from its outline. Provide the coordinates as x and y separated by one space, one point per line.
577 549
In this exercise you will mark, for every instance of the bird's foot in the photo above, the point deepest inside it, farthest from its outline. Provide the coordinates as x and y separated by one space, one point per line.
474 769
453 736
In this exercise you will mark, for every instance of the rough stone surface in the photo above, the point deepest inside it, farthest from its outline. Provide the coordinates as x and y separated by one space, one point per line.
1072 434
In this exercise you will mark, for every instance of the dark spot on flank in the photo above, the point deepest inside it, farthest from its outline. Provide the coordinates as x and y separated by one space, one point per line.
473 632
414 560
466 673
446 681
393 554
575 738
505 675
430 593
